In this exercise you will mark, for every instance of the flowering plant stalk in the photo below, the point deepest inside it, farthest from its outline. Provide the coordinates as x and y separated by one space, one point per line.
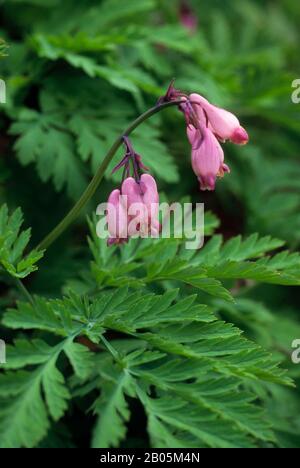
93 185
206 126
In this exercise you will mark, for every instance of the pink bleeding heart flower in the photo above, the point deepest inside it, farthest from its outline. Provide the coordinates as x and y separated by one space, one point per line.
142 201
151 202
207 156
117 219
223 123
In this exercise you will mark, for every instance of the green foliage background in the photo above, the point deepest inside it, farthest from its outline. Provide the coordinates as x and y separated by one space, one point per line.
150 345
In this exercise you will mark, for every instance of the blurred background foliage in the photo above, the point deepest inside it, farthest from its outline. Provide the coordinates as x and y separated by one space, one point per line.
79 72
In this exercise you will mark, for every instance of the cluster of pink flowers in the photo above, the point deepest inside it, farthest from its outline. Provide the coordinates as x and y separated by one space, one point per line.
207 126
133 210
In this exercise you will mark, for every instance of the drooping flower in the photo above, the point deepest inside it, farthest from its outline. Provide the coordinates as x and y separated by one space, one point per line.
142 199
117 219
223 123
207 156
206 126
133 210
136 204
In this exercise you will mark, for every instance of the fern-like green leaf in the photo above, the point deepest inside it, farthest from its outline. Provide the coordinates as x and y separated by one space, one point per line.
13 243
29 398
112 409
143 262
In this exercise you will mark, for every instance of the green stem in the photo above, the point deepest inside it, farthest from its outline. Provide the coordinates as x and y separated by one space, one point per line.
111 349
93 185
24 290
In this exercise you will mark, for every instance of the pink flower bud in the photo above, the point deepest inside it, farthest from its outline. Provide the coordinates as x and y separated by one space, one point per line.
117 219
207 157
137 216
142 199
224 124
151 201
132 190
